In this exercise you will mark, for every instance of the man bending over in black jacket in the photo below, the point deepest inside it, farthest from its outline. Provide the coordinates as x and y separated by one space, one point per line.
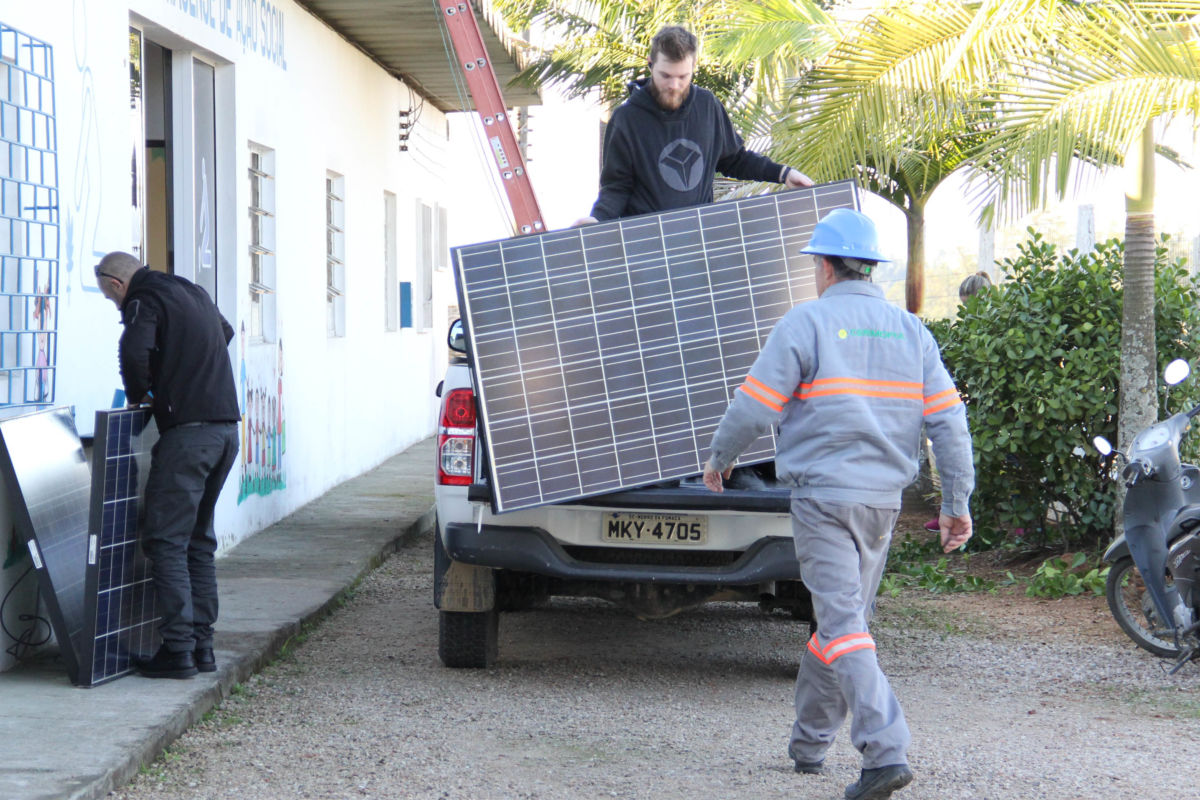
173 355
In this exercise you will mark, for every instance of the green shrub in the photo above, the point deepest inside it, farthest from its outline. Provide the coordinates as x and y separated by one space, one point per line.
1055 577
1037 359
918 562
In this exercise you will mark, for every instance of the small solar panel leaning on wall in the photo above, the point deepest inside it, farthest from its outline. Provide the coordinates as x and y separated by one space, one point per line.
90 568
47 476
121 614
605 355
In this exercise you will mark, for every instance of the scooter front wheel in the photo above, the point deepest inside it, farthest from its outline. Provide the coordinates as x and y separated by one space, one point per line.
1134 610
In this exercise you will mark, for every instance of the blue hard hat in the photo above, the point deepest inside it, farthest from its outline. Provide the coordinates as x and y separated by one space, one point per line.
847 233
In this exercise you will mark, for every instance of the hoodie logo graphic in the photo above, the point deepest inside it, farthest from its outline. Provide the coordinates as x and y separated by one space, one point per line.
681 164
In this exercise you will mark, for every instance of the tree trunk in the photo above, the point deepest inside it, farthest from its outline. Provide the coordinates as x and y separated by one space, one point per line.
914 282
1139 362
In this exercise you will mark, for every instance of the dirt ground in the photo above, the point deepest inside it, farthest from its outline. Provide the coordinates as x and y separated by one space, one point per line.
1008 697
1086 615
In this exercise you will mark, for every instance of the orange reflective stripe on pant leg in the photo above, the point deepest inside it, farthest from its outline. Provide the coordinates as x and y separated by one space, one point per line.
814 647
840 646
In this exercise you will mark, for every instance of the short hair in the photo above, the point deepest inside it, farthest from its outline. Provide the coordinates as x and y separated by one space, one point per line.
851 269
973 284
675 42
119 265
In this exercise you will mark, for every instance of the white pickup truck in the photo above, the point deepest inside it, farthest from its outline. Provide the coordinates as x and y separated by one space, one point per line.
654 550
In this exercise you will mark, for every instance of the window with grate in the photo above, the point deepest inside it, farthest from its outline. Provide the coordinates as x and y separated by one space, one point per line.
29 233
335 249
262 244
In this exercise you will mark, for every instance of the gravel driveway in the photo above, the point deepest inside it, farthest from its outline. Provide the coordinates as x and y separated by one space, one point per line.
1007 697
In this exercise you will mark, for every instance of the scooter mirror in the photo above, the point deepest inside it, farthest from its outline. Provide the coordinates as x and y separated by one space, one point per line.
1176 372
1101 444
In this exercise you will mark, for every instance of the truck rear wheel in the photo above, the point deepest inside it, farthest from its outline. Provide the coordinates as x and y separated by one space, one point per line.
468 639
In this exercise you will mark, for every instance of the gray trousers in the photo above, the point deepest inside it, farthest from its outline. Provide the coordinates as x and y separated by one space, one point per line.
842 551
188 466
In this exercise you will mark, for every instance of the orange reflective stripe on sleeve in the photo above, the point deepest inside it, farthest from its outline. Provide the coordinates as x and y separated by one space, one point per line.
840 646
941 401
779 396
754 393
763 393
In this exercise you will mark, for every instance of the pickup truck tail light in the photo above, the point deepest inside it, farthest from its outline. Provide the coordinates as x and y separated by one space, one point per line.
456 439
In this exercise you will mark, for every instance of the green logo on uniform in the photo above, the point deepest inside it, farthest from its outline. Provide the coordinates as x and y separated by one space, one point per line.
869 333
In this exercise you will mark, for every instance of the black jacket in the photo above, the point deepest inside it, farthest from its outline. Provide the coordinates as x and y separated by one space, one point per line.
174 347
656 160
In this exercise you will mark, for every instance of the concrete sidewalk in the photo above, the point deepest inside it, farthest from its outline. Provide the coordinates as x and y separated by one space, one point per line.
58 741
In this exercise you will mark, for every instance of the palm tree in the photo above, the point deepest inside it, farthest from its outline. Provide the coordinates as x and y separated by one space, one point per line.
1106 73
881 106
899 94
601 46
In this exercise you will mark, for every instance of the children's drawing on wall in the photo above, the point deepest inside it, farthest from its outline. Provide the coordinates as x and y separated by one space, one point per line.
44 320
263 429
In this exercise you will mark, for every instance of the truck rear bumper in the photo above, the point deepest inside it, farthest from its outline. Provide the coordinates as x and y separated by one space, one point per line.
534 550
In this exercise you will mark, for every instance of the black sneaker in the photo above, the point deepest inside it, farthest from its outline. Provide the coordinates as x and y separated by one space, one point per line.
810 767
205 660
879 783
165 664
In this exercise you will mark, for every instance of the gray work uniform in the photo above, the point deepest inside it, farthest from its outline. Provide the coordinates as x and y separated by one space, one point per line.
849 379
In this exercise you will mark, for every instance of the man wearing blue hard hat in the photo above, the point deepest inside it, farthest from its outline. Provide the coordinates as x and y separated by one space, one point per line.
850 379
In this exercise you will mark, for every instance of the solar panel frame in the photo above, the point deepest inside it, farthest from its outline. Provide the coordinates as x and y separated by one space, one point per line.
604 356
121 601
48 479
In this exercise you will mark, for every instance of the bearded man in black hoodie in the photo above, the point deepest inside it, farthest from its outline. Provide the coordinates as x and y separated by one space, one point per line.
666 141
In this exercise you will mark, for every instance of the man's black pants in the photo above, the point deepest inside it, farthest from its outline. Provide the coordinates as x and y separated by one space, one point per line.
188 467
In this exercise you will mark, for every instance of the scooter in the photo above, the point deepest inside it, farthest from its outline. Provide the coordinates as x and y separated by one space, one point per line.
1152 586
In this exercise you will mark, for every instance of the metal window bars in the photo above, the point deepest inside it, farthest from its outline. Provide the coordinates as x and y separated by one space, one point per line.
29 220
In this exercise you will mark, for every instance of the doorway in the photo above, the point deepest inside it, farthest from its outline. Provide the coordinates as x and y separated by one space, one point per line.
150 107
174 161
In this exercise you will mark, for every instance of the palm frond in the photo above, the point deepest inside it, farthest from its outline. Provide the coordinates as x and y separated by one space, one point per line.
879 98
1090 97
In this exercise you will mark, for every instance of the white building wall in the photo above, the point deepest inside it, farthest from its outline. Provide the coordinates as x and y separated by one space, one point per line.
348 402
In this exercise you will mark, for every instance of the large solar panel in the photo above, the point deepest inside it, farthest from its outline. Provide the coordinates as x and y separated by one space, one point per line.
48 479
122 614
605 355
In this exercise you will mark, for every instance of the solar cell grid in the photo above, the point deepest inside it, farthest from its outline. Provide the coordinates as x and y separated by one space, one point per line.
121 607
606 355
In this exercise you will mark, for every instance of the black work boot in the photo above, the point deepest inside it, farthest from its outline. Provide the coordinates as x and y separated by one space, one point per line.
879 783
810 767
165 664
205 660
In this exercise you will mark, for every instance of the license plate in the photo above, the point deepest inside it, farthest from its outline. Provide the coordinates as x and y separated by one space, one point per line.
620 527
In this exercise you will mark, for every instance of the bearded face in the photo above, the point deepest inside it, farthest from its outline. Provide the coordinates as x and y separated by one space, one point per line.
670 81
